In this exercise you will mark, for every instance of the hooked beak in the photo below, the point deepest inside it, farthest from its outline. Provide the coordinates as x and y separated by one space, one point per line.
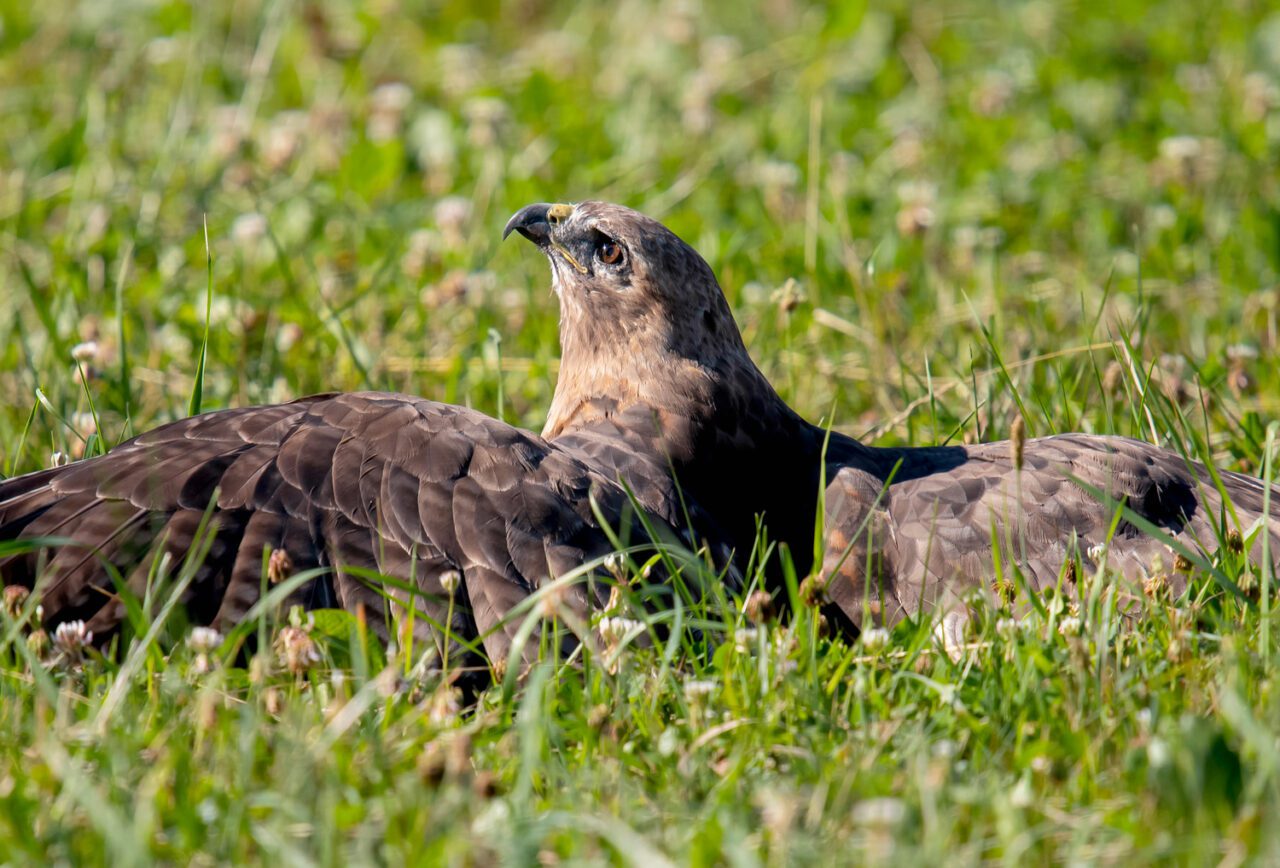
535 221
531 222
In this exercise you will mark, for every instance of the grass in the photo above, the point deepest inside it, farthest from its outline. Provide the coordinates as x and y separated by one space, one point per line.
930 219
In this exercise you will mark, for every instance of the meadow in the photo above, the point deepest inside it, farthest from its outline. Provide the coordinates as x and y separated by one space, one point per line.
929 219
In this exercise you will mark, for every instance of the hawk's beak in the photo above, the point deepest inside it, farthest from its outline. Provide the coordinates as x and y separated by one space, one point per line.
535 221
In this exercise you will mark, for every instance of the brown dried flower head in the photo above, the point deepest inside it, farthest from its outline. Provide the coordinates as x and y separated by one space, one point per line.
279 566
15 597
296 649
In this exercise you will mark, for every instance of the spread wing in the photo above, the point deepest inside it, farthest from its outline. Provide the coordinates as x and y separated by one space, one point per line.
928 539
358 483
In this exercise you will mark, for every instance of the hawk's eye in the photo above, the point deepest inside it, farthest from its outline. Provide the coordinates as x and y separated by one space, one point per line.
609 252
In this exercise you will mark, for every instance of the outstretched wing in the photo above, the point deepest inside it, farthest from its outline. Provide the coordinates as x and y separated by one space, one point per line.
928 539
358 483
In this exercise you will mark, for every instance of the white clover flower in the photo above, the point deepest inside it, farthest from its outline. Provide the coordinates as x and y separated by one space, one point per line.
450 580
71 638
1070 626
248 229
84 423
614 630
874 639
1007 628
85 351
616 564
698 689
879 812
384 123
393 97
745 638
452 213
202 640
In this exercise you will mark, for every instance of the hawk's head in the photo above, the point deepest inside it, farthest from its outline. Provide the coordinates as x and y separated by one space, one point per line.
624 278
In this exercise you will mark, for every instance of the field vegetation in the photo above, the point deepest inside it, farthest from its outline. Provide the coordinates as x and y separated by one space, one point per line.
929 218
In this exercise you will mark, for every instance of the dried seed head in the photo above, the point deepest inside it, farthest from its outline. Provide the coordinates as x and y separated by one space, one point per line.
279 566
598 716
1235 542
759 607
296 649
15 597
1005 590
432 764
813 590
444 705
824 626
1239 380
1182 564
914 218
1071 575
1154 585
790 296
550 606
485 785
1017 440
39 643
1112 378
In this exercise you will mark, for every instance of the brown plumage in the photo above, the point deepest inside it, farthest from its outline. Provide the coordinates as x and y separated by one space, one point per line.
918 535
655 384
360 482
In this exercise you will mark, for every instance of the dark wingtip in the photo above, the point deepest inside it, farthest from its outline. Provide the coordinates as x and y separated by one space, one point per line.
532 222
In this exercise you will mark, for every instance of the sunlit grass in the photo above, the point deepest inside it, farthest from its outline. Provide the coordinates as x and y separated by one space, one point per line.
930 220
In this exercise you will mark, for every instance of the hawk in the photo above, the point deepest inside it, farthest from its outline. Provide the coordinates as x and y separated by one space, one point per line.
659 406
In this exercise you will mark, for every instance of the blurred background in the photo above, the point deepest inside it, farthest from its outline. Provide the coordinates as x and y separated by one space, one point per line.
928 217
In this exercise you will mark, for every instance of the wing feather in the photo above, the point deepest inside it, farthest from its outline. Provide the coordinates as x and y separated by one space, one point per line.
361 483
930 539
